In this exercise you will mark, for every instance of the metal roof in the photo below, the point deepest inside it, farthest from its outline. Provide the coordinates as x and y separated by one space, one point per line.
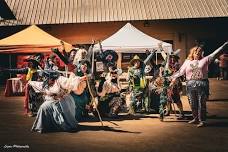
82 11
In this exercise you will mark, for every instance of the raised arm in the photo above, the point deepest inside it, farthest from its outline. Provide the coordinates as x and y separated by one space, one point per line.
147 60
64 50
63 58
17 71
180 72
213 55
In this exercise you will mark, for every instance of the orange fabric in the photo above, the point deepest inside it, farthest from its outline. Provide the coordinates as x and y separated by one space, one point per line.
31 40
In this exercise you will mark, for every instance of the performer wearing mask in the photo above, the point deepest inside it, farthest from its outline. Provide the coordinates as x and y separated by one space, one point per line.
83 97
52 63
110 100
174 92
152 70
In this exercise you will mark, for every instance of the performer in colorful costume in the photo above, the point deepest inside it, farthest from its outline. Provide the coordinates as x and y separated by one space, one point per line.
32 100
83 100
152 70
58 111
110 101
137 85
176 89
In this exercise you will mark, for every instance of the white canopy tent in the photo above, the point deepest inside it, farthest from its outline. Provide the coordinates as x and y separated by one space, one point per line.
131 40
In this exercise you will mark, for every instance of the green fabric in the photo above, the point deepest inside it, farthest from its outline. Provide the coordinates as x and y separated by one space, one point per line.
80 102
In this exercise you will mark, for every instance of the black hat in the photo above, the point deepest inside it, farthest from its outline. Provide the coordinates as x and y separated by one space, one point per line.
172 55
34 60
109 56
50 74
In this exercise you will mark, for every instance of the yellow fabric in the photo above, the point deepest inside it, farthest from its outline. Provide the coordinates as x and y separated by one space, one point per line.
142 82
30 74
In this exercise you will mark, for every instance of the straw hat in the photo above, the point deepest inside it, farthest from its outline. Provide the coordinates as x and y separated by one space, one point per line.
136 58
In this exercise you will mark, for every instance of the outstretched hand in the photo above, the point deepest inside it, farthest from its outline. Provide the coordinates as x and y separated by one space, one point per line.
83 78
95 103
55 50
225 45
62 42
172 82
63 45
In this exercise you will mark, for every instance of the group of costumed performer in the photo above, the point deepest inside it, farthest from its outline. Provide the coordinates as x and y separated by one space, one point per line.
107 96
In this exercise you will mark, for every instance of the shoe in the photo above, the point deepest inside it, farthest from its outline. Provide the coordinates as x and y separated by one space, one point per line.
181 116
201 124
131 113
161 117
194 121
152 111
30 114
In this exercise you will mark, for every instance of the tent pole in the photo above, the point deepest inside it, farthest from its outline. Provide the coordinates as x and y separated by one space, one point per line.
10 64
156 58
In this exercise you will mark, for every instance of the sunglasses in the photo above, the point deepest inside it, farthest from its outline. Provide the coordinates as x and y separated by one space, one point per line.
113 72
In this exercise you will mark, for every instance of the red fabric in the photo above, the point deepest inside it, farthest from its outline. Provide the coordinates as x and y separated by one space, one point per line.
71 67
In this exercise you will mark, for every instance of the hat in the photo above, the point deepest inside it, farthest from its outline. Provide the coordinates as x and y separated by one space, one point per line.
50 74
109 56
35 60
136 58
172 55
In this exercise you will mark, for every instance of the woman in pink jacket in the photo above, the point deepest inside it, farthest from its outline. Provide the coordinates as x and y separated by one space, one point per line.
195 68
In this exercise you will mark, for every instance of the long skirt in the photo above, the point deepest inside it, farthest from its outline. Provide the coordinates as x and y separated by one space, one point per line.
56 116
80 104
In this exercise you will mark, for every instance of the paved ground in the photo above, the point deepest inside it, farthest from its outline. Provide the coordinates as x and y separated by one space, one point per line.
142 133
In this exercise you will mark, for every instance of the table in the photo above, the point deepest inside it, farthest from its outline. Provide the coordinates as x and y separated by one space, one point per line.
14 87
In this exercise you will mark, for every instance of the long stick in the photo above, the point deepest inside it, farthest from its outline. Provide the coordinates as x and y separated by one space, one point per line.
93 100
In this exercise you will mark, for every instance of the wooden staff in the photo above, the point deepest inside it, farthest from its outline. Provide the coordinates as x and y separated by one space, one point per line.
93 100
